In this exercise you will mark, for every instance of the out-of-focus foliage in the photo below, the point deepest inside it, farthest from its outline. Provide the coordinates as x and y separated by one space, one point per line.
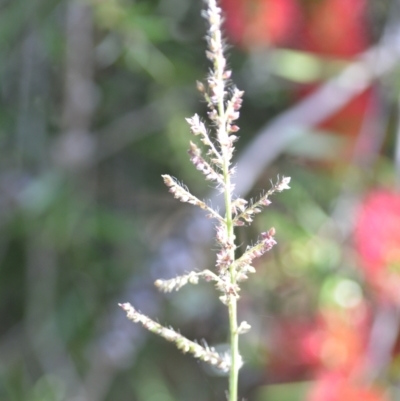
92 105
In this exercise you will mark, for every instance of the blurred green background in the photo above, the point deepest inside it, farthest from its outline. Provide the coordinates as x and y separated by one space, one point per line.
93 101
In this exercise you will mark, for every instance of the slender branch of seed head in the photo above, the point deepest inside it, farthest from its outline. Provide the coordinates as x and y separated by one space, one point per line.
248 213
190 278
266 242
202 165
202 89
208 100
197 127
182 194
232 111
206 354
215 151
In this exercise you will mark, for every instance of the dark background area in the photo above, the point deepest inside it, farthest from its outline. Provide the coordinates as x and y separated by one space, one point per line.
93 100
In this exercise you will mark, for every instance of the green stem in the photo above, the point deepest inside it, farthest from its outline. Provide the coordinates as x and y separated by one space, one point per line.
234 372
232 301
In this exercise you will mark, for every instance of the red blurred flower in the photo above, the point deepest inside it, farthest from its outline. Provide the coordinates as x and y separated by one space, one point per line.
377 241
331 27
335 341
336 28
343 340
343 345
335 387
250 23
293 350
348 121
